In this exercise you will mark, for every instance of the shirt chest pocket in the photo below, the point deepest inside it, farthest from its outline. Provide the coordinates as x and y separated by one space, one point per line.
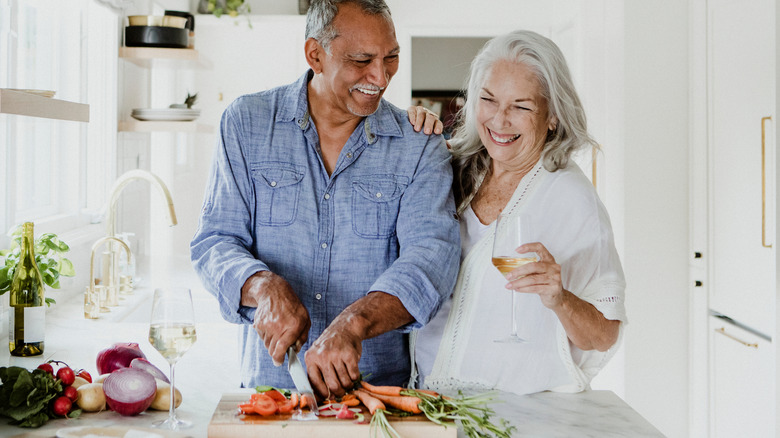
278 187
375 204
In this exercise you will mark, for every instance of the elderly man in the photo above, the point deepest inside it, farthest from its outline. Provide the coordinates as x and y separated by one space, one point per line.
328 222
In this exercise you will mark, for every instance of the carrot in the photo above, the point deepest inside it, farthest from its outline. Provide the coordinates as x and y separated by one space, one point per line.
371 402
294 398
348 396
383 390
405 403
305 401
425 391
351 402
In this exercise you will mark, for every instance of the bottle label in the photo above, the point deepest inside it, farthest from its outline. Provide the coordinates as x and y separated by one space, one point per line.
34 324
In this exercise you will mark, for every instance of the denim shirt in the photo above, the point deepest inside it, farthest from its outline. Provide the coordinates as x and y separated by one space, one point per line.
384 220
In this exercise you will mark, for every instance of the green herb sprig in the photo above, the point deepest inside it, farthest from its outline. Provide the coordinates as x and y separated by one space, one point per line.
380 424
472 412
49 250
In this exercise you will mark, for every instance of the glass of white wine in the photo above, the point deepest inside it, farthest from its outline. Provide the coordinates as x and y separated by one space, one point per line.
511 231
172 333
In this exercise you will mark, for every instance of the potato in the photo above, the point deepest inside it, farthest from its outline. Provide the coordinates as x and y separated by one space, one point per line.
162 399
91 397
78 381
101 378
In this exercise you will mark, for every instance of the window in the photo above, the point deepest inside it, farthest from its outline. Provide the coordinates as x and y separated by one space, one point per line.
56 172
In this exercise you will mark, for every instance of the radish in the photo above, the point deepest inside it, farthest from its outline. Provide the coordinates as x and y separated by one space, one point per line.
61 406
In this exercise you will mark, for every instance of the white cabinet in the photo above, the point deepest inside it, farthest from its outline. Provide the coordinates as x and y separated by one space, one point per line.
742 98
733 219
743 376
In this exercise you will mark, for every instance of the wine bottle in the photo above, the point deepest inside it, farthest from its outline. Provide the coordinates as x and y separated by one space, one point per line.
27 320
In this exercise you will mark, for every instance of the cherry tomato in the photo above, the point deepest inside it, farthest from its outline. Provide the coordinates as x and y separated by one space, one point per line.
66 375
285 407
71 392
275 395
264 405
84 375
61 406
46 367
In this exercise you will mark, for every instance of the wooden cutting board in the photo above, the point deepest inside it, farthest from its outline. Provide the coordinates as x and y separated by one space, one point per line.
228 422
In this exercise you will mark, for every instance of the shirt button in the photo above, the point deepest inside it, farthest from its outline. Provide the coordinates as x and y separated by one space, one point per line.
324 245
327 196
318 296
379 194
273 183
349 154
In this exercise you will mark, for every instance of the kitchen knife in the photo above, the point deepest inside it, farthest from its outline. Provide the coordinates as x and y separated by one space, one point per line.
302 384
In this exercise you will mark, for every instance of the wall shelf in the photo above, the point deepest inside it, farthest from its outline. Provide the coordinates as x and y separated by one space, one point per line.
143 56
26 104
165 126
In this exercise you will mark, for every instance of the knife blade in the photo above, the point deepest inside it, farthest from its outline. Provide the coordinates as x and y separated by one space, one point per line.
302 385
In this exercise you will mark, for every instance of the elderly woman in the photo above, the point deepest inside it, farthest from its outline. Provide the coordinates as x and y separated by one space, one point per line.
512 153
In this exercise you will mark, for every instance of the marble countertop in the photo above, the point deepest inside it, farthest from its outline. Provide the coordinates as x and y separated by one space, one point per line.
210 369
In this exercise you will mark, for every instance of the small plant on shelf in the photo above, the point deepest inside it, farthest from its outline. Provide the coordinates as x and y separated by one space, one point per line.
233 8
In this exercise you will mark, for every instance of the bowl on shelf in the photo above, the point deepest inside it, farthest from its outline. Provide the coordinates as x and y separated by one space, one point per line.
156 36
145 20
158 20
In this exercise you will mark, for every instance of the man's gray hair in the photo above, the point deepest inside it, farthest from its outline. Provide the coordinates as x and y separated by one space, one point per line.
319 18
570 132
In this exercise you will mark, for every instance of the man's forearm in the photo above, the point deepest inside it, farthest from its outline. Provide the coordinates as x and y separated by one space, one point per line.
374 314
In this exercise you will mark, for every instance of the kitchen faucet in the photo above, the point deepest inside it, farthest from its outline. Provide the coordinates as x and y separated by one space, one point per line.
96 301
125 179
111 259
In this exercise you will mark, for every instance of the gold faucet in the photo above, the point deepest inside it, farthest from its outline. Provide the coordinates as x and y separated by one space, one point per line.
111 258
125 179
110 283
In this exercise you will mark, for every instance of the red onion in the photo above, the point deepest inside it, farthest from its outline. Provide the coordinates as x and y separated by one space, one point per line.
143 364
129 391
118 356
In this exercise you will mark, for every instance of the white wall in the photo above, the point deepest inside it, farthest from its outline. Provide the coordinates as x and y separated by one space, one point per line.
656 211
443 63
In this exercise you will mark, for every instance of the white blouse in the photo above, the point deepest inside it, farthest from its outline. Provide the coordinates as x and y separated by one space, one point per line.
457 348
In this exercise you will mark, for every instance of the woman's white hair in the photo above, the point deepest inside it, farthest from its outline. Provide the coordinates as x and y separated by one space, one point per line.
470 158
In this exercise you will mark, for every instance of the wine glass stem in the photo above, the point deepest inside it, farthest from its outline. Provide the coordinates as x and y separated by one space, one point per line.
171 410
514 322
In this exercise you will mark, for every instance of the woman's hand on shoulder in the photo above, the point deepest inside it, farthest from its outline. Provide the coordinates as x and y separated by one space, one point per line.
542 277
425 119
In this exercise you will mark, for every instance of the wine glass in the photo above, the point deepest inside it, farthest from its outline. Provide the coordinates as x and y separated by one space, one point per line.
172 333
511 231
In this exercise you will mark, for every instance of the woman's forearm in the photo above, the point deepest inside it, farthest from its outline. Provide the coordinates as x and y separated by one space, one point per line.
586 327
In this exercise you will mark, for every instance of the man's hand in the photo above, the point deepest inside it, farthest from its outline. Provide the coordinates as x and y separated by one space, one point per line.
281 320
332 361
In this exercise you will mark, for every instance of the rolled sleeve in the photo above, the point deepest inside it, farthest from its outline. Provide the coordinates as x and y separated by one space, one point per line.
429 239
220 248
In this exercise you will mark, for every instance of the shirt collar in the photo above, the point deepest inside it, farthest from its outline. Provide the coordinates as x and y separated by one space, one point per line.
296 108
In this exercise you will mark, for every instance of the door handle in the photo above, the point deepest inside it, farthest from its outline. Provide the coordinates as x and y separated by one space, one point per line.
763 181
722 331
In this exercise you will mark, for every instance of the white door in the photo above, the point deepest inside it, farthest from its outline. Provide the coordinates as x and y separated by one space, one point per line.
742 89
743 377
